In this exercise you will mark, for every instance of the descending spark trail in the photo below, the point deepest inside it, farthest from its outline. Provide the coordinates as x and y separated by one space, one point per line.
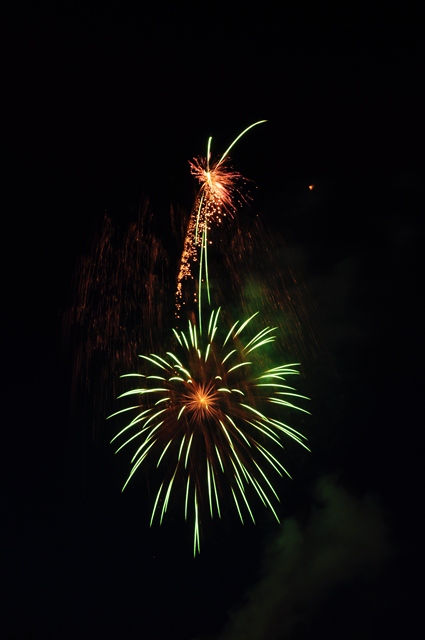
209 413
117 306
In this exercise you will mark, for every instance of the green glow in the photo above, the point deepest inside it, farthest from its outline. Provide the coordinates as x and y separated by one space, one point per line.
196 539
187 451
240 364
163 453
237 506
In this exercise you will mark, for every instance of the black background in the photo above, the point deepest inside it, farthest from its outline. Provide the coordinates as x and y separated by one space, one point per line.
104 104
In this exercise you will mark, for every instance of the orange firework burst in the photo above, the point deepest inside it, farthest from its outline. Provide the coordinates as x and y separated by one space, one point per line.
219 186
218 196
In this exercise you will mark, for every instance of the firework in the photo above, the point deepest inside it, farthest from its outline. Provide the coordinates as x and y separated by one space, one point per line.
209 414
219 195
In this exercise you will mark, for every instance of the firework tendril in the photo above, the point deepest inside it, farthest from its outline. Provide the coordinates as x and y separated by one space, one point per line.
208 413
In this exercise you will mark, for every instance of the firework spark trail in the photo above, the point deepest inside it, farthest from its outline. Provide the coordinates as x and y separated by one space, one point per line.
206 412
117 303
218 196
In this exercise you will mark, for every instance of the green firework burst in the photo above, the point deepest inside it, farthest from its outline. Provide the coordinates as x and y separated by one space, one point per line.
210 415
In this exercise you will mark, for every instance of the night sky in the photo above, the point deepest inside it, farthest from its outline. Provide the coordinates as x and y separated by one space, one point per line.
105 104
